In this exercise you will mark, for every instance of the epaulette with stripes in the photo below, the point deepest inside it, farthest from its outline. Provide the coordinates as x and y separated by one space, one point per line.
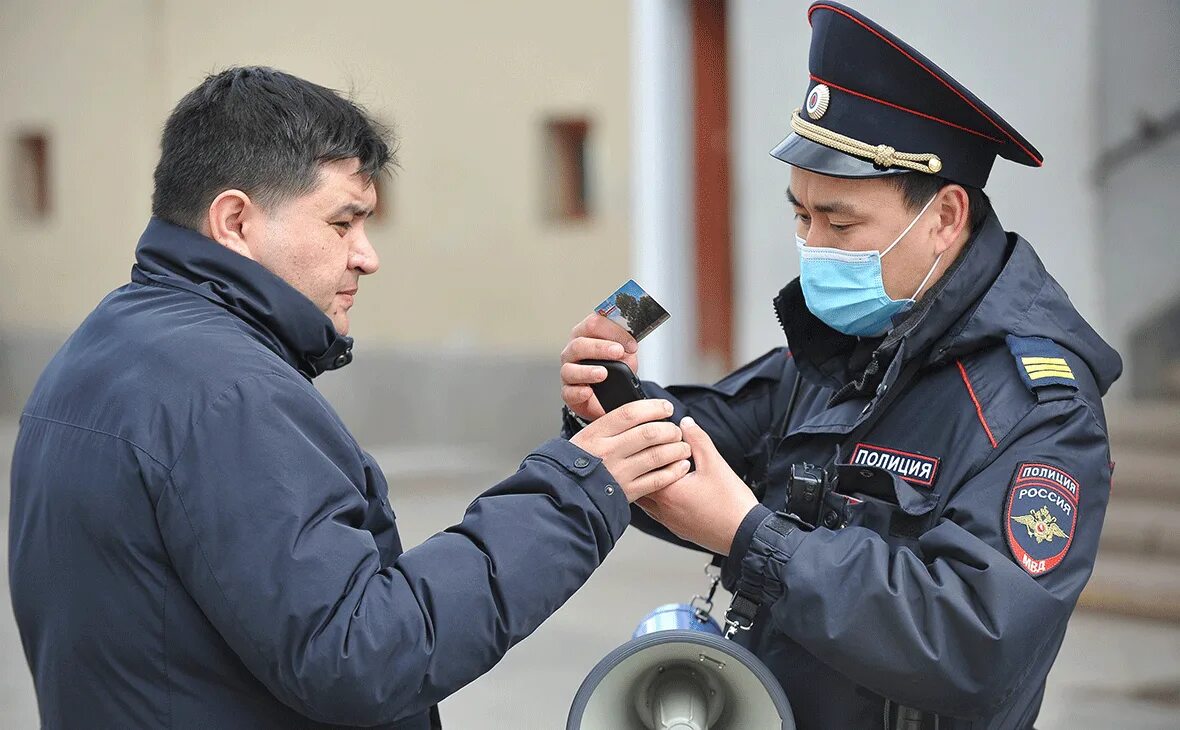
1041 362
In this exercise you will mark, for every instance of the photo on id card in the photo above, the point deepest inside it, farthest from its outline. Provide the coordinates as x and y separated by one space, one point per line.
634 310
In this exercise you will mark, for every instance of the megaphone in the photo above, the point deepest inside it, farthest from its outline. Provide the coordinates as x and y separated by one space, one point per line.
678 672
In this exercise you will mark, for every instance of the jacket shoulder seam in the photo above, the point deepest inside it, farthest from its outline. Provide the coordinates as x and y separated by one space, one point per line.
99 431
215 400
1028 422
1008 381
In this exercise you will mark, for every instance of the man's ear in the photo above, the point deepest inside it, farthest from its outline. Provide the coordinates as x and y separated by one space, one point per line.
953 214
232 221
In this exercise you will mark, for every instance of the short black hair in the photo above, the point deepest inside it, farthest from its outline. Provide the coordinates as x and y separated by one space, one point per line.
261 131
917 188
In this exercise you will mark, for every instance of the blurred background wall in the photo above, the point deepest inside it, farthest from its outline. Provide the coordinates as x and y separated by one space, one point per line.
552 149
481 263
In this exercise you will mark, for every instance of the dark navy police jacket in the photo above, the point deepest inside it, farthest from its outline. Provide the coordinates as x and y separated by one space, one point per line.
197 541
948 558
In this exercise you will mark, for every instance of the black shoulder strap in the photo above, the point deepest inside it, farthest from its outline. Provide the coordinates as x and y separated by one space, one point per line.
780 430
885 398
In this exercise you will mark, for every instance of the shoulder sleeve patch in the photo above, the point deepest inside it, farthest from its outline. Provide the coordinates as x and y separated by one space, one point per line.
1040 362
1040 516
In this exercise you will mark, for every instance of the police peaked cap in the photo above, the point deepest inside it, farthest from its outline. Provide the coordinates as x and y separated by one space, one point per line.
875 106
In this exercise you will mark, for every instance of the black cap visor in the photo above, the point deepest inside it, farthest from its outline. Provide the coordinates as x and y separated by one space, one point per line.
803 153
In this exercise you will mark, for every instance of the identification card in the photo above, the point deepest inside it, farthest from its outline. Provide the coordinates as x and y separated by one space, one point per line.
634 310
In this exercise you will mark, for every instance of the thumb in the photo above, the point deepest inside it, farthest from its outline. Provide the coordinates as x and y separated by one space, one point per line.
703 450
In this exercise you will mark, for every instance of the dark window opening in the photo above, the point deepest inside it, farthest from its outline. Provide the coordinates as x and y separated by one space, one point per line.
31 175
567 178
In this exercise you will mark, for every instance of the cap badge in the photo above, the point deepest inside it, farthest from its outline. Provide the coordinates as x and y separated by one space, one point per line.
817 101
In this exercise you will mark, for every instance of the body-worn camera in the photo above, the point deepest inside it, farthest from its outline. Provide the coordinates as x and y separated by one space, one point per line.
806 488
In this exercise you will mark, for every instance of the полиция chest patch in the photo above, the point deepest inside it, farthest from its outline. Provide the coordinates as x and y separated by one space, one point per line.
1041 515
914 468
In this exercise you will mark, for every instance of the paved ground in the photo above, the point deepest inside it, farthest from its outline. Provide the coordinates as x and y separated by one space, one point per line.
1111 672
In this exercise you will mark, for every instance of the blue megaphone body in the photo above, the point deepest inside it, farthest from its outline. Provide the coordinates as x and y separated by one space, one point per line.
674 617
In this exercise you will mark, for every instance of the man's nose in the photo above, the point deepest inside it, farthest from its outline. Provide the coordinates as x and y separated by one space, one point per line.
365 256
816 239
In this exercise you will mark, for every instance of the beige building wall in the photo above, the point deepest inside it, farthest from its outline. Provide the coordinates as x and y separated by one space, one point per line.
469 260
82 74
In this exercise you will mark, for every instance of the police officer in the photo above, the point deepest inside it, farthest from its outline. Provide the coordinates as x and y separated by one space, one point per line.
929 451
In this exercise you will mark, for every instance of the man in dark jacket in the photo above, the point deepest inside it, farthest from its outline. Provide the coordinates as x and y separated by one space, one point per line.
946 383
196 540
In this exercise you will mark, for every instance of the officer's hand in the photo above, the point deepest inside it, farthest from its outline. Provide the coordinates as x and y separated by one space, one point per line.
708 505
640 450
595 338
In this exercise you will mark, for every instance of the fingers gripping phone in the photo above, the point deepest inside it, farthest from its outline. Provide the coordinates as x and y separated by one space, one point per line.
620 387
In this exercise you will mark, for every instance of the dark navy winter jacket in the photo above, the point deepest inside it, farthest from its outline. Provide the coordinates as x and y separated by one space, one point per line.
196 540
924 583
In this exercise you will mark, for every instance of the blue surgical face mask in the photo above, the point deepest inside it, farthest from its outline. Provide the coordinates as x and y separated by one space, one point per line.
845 289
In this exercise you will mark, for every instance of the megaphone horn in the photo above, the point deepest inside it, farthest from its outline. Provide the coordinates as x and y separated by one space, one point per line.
684 678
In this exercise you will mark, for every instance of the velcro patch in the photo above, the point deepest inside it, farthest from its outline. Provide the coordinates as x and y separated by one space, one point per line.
1041 362
914 468
1041 515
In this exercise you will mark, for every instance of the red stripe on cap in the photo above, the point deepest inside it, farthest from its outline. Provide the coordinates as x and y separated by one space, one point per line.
922 66
906 109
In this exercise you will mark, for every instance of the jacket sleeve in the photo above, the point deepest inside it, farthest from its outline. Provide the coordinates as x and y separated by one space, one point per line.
955 625
737 413
261 518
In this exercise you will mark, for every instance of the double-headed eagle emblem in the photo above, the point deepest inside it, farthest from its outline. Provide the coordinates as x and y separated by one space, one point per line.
1041 525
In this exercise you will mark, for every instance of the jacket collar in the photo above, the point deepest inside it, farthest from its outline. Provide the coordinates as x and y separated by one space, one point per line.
854 366
1026 301
276 313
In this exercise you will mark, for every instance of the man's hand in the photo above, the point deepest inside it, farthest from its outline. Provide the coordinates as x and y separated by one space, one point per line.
708 505
595 338
640 450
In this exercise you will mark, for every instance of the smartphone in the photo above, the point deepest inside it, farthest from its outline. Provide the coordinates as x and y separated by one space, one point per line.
620 387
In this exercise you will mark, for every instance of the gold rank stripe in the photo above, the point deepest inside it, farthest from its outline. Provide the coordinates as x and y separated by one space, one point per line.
1047 367
1037 375
1044 361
